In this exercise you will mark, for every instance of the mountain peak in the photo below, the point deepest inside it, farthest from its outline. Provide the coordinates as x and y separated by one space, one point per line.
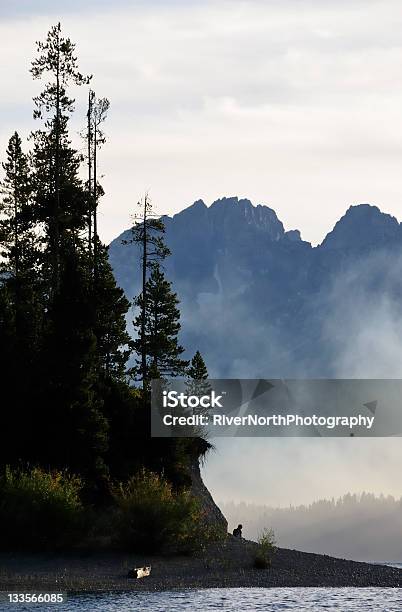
242 213
200 204
228 201
362 225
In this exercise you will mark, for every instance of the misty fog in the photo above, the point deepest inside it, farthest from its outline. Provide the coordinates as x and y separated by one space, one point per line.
360 336
258 306
361 527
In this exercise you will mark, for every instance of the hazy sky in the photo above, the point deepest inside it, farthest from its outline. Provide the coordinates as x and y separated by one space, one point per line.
293 103
296 104
284 471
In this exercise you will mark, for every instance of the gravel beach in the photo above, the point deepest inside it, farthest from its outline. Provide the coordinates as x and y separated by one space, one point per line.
224 565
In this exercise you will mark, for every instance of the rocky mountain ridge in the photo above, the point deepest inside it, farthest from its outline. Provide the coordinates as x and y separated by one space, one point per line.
257 299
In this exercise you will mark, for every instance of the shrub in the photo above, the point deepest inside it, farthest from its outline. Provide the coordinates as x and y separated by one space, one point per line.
39 509
152 517
266 547
261 562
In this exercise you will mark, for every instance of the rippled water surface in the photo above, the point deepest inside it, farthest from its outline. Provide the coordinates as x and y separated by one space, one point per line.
296 599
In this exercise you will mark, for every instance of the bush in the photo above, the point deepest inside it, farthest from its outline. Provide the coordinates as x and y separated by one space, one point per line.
152 517
266 547
261 562
39 509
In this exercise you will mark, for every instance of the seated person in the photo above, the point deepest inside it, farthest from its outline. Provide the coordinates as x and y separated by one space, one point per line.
237 531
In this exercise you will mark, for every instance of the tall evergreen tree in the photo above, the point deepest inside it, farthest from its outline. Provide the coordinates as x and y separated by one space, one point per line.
148 233
74 430
99 110
197 377
95 138
63 338
59 192
9 407
85 344
158 338
20 299
114 344
17 238
89 142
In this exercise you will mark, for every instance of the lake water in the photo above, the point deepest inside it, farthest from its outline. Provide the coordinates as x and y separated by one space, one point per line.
255 599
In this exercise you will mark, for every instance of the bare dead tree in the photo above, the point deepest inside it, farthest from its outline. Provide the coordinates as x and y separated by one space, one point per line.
147 231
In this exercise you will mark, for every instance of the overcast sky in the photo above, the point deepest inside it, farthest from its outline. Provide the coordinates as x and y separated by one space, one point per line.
293 103
296 104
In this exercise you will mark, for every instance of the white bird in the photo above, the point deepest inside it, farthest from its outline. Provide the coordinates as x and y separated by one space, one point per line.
140 572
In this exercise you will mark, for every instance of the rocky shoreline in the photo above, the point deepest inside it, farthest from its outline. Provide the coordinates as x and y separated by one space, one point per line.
224 565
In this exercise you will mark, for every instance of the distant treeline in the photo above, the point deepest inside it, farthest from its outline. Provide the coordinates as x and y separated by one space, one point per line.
359 526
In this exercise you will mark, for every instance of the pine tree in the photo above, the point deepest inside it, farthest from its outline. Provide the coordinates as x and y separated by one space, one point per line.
197 377
19 249
99 110
20 300
83 337
17 239
110 303
95 138
59 191
74 430
9 409
158 338
114 344
63 338
147 232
